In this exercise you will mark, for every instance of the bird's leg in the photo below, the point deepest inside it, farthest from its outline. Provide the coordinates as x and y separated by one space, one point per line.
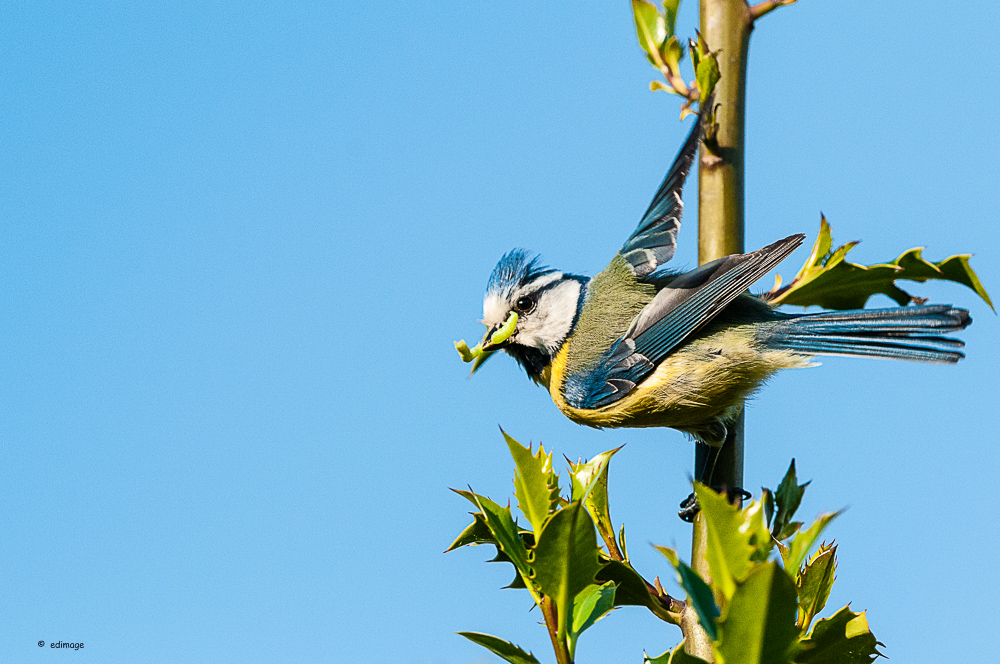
714 461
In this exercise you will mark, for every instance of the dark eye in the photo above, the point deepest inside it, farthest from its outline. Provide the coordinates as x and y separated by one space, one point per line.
525 304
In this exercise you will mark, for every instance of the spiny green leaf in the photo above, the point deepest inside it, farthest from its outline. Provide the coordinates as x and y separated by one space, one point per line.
729 550
565 558
829 280
651 30
590 605
788 497
517 583
536 486
590 484
799 547
814 583
843 638
669 554
789 530
632 590
767 498
676 656
699 593
759 625
760 536
501 524
501 648
518 580
707 75
476 532
590 477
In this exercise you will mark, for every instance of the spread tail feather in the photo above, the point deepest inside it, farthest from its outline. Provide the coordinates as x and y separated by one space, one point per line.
901 333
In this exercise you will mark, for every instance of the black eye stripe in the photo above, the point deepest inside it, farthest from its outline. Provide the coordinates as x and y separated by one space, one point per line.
538 292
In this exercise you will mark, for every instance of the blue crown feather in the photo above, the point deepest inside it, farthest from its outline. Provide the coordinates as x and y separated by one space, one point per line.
516 269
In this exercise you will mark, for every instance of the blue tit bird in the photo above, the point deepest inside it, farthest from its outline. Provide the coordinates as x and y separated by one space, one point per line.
640 346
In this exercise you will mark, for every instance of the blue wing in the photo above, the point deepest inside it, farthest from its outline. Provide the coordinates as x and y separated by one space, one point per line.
654 241
678 310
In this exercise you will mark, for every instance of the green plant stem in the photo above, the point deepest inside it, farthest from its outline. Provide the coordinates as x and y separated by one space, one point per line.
560 645
726 26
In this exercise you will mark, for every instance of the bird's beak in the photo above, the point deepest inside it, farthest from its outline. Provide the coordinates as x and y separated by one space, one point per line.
499 335
496 338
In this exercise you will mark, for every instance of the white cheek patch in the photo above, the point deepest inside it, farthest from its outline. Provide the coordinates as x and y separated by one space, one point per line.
549 325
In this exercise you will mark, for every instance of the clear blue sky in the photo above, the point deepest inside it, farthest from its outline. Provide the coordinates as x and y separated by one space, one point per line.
238 241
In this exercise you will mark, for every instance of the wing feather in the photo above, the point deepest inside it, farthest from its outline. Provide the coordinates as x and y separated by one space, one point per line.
655 239
677 311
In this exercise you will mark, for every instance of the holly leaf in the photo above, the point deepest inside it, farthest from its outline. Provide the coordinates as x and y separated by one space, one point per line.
518 582
590 484
802 543
590 605
565 557
843 638
503 649
828 280
633 590
505 531
676 656
536 486
760 536
699 593
814 582
476 532
767 497
729 550
759 625
787 498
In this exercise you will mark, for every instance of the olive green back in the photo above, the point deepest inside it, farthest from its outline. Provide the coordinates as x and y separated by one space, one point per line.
614 298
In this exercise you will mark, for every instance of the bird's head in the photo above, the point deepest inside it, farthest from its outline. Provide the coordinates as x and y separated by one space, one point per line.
528 311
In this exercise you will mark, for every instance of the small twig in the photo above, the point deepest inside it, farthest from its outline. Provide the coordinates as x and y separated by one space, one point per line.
552 622
614 552
669 608
676 81
766 7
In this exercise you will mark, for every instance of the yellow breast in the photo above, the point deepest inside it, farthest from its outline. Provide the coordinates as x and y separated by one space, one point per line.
707 377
